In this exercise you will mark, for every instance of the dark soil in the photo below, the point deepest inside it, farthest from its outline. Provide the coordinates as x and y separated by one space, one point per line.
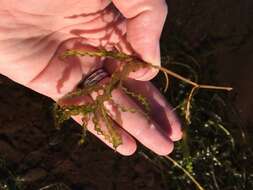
40 155
225 26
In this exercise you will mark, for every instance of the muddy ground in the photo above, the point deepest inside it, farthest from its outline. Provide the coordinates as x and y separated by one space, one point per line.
41 155
228 27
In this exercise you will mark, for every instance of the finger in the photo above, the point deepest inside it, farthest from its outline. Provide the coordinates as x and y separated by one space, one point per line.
145 20
137 124
160 110
128 146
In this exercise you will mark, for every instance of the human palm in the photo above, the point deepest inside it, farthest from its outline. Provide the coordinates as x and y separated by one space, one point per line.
33 35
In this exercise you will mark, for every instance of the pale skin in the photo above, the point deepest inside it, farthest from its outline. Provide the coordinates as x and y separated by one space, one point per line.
34 33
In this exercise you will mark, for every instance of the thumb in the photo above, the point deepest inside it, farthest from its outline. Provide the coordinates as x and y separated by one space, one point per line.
145 20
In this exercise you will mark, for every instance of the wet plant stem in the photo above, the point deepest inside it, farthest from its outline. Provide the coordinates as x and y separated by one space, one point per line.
135 63
130 64
128 58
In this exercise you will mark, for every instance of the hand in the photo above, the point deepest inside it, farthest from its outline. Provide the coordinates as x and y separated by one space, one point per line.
33 35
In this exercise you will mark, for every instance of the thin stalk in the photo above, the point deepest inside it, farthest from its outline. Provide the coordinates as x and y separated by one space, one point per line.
167 82
175 75
128 58
186 172
188 105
